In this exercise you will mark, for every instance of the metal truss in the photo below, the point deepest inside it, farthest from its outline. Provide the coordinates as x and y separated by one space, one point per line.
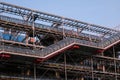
95 56
50 18
84 39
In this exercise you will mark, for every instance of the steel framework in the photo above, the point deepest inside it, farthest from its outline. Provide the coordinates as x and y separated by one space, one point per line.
40 46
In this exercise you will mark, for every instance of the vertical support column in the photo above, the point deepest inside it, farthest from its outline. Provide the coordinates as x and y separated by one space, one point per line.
33 28
33 19
115 63
90 40
92 68
57 74
34 71
65 66
99 79
81 78
63 28
103 68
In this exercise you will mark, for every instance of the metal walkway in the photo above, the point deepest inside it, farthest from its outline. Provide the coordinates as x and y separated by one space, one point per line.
83 33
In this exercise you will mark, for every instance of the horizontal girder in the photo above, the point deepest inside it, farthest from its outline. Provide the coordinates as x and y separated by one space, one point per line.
21 11
19 24
86 29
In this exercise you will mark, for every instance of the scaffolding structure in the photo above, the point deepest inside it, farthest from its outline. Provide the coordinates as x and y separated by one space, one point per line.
40 46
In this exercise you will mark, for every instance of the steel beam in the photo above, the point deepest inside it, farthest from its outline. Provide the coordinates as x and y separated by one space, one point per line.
50 18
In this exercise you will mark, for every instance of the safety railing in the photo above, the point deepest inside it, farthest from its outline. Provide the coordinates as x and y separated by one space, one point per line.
86 43
68 66
68 41
110 41
18 76
19 21
57 46
19 50
63 44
